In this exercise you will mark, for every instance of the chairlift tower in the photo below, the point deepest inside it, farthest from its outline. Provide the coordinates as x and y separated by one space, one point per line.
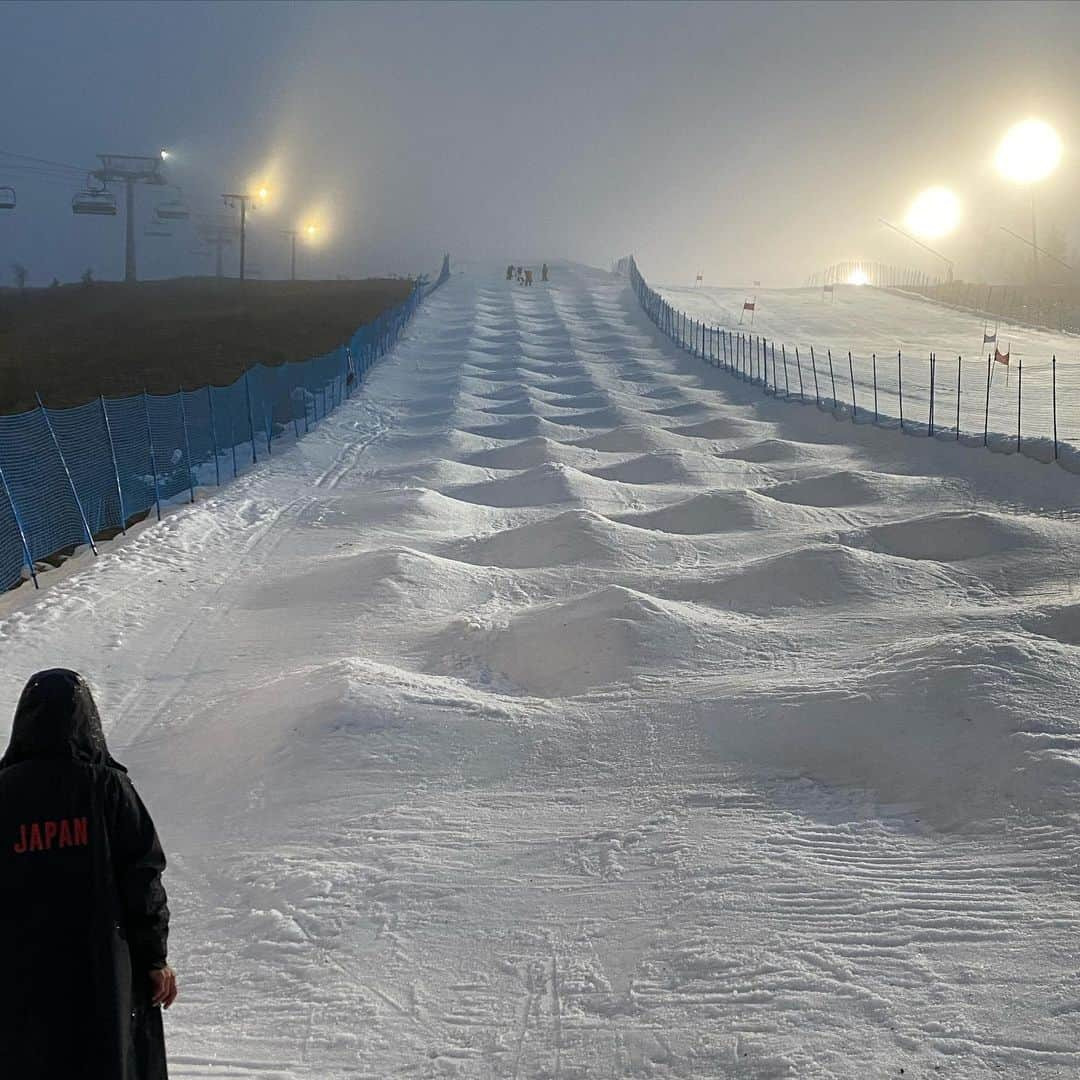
232 198
218 235
131 169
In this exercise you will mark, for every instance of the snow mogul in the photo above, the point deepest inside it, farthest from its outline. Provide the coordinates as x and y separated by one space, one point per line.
83 914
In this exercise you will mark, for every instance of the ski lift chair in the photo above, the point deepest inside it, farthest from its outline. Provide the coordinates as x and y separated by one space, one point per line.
101 203
173 209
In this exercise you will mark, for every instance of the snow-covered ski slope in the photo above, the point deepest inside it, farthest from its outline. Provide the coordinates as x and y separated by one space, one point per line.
868 321
564 708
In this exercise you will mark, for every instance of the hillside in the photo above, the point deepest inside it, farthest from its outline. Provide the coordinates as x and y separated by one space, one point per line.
562 707
72 343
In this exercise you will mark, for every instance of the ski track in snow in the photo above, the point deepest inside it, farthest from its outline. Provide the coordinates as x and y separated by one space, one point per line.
562 708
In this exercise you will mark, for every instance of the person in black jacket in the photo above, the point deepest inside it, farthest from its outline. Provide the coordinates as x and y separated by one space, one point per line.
83 915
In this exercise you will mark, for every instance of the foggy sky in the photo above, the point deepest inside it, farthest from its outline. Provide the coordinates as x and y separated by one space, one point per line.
747 140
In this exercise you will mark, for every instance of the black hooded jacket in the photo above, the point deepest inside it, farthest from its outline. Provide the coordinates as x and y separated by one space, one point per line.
83 913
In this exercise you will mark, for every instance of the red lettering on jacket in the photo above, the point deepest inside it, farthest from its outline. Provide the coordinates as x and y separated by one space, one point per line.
45 835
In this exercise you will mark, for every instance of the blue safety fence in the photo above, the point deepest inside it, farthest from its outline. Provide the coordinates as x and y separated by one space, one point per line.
68 476
1014 404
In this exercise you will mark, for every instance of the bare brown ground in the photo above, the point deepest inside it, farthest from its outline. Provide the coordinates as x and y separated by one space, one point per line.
72 343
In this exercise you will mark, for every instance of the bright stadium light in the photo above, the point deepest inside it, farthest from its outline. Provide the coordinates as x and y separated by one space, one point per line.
858 276
263 192
1029 152
311 231
934 213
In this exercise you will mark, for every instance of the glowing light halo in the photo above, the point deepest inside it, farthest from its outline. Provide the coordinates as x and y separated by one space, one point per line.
858 276
1028 152
934 213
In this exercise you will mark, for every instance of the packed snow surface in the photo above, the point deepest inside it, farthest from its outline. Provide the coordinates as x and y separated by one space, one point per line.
561 707
880 329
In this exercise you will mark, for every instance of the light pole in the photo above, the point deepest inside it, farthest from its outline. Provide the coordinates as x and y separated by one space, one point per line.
1029 152
291 234
309 232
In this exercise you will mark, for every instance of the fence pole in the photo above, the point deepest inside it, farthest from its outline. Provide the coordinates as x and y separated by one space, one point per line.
251 416
817 392
900 383
153 456
959 361
873 357
832 379
986 413
798 368
723 345
116 468
930 423
1053 384
67 473
187 446
1019 398
232 442
213 434
783 356
19 526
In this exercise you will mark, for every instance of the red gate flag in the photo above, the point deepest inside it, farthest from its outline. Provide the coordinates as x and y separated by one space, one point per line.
748 305
1002 357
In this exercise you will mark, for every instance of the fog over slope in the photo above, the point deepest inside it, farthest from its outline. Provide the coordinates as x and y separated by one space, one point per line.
751 141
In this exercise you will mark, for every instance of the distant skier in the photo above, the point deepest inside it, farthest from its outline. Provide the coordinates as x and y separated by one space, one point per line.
528 277
544 272
510 272
83 914
520 276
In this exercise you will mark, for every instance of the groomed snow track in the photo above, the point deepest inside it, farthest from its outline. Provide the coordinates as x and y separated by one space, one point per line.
561 708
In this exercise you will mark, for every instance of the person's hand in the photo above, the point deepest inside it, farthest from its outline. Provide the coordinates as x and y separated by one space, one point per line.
163 987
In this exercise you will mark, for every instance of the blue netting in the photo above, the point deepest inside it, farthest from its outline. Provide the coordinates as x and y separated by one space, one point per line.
124 455
196 404
38 484
131 442
12 553
170 445
84 442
